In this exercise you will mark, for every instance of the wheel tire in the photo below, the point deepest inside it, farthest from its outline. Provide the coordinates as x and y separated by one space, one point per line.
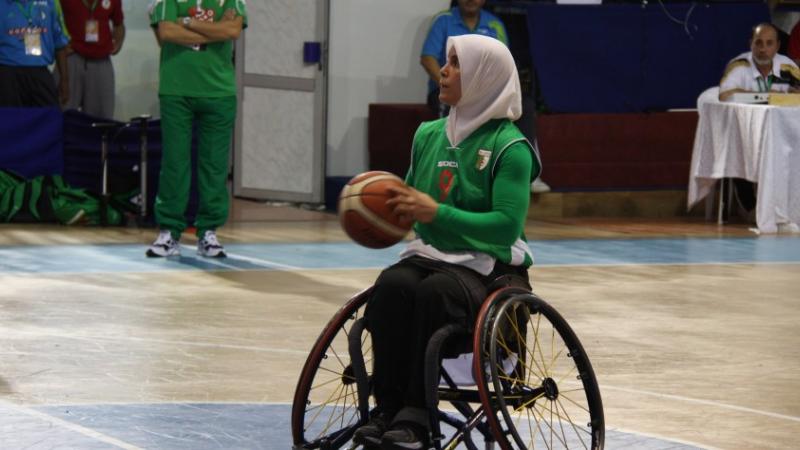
548 397
326 409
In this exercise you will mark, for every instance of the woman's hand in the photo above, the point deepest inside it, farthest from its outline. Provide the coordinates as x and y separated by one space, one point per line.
411 204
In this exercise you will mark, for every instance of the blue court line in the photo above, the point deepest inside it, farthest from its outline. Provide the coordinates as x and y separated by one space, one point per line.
115 258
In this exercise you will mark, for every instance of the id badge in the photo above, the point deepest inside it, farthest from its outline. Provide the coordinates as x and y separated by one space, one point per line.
33 42
92 31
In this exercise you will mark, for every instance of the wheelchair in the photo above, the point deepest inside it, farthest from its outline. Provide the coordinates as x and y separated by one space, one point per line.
520 380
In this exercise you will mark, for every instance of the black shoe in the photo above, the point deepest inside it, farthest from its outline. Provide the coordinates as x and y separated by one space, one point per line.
405 436
369 435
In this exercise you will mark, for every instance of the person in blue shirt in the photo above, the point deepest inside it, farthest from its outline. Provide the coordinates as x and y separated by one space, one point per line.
32 36
469 17
465 17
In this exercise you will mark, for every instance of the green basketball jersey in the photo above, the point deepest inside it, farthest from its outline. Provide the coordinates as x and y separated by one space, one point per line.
189 71
489 172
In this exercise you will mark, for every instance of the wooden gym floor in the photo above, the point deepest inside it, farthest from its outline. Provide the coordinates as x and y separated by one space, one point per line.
692 329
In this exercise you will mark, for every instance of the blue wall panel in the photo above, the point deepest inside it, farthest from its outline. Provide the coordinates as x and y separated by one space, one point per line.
635 58
31 141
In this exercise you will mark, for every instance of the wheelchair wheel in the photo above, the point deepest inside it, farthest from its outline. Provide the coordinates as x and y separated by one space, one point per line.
535 381
331 398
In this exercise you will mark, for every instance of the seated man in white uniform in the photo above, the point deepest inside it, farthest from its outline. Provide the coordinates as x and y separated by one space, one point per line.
761 69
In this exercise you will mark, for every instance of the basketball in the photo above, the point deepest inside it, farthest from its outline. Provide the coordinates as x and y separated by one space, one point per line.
363 213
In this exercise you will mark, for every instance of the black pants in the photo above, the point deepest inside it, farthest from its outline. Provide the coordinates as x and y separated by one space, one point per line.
745 193
413 299
22 87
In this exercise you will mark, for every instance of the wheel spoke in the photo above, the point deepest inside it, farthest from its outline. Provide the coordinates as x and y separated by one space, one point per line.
568 374
537 348
327 382
547 361
530 402
539 426
336 354
549 424
314 419
566 397
577 429
531 430
331 403
560 420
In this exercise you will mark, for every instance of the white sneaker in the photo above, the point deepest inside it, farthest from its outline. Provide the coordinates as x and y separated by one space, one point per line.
539 187
164 245
209 246
788 228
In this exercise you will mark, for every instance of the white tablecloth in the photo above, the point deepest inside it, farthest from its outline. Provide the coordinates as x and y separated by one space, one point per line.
760 143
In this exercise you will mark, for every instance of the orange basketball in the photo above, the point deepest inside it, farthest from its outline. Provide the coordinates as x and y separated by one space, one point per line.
363 212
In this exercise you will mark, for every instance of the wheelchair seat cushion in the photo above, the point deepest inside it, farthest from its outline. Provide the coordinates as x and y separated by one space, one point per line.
459 368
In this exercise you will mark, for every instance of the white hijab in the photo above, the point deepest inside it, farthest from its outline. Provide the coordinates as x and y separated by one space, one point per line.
489 85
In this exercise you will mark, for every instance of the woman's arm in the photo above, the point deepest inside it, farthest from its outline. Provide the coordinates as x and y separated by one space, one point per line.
510 199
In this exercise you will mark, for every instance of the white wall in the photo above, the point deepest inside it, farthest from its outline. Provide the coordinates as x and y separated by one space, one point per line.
374 58
136 66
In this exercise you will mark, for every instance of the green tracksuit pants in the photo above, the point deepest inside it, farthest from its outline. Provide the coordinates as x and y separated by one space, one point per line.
214 118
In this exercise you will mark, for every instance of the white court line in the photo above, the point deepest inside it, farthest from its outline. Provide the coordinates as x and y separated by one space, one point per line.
569 265
703 402
233 256
207 344
212 261
304 353
171 342
41 273
70 426
262 261
668 264
157 402
661 437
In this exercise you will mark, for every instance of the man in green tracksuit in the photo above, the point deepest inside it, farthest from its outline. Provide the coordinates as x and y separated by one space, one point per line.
197 87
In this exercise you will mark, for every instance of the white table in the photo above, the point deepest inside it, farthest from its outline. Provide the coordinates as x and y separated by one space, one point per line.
760 143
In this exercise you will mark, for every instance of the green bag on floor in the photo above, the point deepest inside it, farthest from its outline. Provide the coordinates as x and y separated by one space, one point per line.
49 199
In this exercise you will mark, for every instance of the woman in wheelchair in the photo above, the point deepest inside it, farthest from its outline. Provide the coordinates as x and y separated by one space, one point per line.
469 190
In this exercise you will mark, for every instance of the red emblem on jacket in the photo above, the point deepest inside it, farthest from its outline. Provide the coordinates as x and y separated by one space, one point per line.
446 178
